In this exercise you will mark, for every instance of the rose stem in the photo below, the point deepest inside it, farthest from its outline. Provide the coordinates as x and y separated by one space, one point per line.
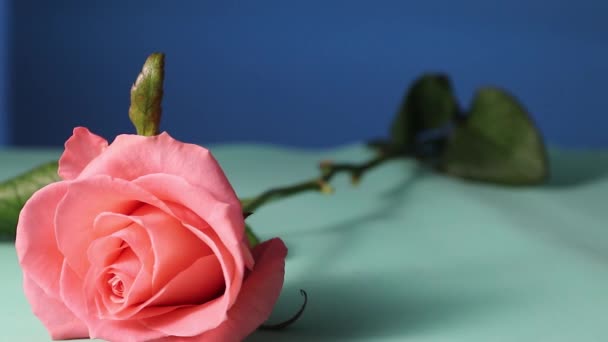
328 171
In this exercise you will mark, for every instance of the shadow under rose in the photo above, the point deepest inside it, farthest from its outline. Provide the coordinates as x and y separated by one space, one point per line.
378 306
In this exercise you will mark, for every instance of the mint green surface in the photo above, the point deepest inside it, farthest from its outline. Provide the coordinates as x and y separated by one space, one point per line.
409 255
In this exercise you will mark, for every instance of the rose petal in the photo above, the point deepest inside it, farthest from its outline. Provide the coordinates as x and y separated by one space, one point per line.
198 284
56 317
72 293
173 267
165 234
107 223
75 298
184 290
80 149
194 320
35 244
123 331
225 219
132 156
140 288
124 271
258 296
104 250
84 201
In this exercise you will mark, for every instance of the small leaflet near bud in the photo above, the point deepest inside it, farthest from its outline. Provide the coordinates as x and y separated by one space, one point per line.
146 96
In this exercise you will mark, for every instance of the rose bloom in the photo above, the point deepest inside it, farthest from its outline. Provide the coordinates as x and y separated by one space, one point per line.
144 240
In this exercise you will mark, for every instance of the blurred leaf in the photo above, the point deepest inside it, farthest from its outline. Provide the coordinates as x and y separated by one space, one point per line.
429 104
496 143
16 191
146 96
251 237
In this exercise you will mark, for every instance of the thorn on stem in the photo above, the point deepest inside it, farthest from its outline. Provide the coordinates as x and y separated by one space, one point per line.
355 179
326 166
325 188
325 163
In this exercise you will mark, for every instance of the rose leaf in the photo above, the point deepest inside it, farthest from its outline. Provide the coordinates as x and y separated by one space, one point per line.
16 191
497 142
429 104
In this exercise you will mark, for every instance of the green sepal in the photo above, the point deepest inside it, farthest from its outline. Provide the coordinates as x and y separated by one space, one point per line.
497 143
251 237
430 103
16 191
146 96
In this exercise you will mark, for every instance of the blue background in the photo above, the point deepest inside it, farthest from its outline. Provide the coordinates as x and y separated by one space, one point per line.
4 44
307 73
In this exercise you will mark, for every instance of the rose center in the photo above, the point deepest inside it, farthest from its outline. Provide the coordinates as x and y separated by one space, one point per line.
117 287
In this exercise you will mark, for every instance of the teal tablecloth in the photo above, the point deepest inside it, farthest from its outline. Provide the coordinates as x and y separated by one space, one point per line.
409 255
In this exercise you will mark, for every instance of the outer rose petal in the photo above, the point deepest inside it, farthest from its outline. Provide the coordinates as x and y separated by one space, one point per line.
258 295
36 247
82 147
42 262
57 318
133 156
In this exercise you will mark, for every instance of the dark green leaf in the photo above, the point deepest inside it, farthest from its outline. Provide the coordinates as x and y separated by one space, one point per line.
251 237
16 191
496 143
430 103
146 96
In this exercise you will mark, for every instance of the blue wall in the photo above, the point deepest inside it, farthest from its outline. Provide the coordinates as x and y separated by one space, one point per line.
306 73
4 45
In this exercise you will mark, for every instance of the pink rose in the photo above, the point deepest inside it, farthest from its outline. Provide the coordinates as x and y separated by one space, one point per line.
144 240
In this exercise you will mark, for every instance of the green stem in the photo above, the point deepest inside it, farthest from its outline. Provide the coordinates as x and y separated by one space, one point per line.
320 183
252 204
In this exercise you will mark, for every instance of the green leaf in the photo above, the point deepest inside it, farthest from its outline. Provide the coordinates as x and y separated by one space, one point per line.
251 237
16 191
498 143
430 103
146 96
